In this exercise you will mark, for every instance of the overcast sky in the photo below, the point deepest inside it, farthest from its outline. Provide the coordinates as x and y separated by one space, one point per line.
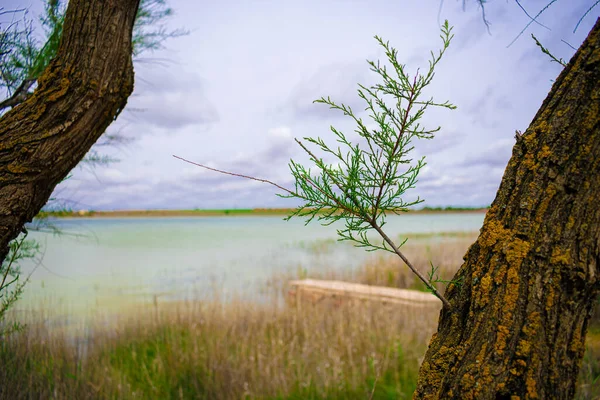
235 92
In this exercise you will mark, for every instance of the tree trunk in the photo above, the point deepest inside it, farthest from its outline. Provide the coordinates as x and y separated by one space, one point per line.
519 319
81 92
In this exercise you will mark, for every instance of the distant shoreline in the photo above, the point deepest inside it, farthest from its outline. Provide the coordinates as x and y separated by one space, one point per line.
218 213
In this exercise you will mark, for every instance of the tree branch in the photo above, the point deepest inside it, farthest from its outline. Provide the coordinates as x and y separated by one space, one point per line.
20 95
238 175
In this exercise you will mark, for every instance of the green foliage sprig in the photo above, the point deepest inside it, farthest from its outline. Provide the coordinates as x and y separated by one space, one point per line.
368 179
11 287
547 52
434 277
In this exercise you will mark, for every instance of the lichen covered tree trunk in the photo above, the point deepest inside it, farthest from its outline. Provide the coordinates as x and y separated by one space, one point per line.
81 92
529 282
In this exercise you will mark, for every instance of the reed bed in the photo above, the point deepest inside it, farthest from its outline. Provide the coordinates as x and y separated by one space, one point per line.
223 351
235 349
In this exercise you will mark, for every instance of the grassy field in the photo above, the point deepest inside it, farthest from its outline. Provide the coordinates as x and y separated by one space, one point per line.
241 350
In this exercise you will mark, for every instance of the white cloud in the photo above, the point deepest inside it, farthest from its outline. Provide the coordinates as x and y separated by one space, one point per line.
240 87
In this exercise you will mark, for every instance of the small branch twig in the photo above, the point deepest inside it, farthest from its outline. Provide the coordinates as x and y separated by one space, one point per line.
373 222
336 182
10 263
238 175
412 268
546 51
384 177
20 95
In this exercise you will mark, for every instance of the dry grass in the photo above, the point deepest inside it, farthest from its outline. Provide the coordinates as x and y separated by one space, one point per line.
224 351
239 350
444 251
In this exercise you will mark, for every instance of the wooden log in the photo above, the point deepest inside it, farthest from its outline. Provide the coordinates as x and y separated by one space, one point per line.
319 289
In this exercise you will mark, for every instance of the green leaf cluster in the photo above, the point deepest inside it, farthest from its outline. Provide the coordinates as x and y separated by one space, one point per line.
369 178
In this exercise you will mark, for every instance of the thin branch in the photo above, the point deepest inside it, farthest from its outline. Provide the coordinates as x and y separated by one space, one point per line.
270 182
485 21
18 10
568 44
19 96
531 22
530 17
12 259
336 182
412 268
400 133
586 13
238 175
440 12
546 51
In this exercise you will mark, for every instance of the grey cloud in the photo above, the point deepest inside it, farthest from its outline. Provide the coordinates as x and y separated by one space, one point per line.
496 155
212 191
267 162
459 186
337 81
489 108
478 194
194 186
170 98
442 141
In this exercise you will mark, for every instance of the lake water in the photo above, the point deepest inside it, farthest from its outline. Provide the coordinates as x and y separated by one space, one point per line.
105 262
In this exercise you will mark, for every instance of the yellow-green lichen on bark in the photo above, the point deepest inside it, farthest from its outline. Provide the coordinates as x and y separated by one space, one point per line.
529 163
530 137
16 168
531 383
434 372
515 251
549 194
549 298
509 304
492 233
561 256
482 290
577 344
60 91
545 152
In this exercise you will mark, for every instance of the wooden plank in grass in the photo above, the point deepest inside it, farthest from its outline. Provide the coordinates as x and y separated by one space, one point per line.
318 289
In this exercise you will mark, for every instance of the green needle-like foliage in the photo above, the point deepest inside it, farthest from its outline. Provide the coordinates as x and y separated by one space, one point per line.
369 179
11 287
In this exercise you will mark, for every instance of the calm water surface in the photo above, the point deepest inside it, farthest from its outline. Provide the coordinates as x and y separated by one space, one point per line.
105 262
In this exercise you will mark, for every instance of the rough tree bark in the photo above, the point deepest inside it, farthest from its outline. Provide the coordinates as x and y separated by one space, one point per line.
519 319
81 92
